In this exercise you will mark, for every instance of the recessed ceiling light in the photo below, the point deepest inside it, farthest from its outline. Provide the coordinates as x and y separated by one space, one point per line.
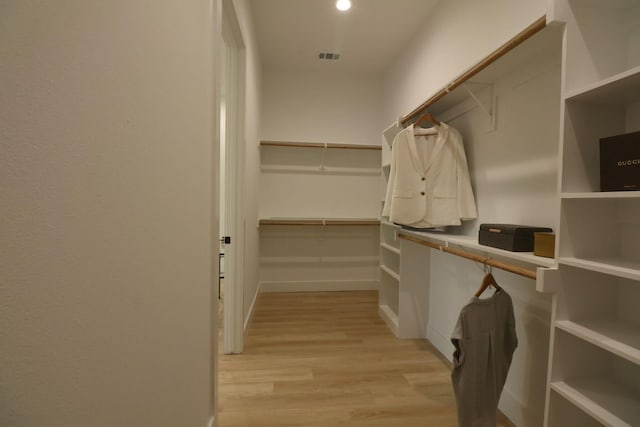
343 5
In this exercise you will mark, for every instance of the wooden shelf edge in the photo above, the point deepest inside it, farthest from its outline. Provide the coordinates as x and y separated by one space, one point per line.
320 145
320 221
519 38
472 244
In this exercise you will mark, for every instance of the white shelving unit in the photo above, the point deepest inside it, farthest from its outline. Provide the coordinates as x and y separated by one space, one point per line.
594 365
390 275
318 211
388 293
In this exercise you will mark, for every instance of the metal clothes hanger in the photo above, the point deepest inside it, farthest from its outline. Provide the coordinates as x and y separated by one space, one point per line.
488 280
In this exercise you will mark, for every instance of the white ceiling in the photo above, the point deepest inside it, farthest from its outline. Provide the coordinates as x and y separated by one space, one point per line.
291 33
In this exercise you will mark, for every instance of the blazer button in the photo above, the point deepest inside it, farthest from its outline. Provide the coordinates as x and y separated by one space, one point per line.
422 193
423 178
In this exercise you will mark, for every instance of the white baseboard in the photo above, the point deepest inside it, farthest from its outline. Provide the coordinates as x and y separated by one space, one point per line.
518 412
319 286
389 317
252 309
440 342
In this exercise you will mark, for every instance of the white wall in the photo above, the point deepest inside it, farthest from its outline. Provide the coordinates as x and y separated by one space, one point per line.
252 93
457 34
106 224
321 107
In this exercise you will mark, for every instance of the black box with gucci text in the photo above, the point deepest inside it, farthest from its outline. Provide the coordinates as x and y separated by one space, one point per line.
620 162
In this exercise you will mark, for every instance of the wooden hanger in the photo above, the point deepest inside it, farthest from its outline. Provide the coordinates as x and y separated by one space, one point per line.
488 280
426 117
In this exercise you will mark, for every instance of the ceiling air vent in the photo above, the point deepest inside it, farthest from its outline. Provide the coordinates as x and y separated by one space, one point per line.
329 56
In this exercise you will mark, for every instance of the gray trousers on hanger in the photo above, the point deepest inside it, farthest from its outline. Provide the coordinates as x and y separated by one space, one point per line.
485 339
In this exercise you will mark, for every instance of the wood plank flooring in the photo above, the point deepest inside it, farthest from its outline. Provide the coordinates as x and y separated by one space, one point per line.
327 359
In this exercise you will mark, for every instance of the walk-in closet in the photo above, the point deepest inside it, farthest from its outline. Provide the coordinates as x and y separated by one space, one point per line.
530 111
425 212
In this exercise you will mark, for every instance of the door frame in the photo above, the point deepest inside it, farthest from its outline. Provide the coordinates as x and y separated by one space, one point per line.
233 328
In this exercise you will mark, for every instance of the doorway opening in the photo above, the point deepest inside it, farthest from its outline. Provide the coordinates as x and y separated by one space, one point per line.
232 154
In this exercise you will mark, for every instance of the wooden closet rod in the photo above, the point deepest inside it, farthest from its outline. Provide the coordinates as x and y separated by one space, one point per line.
474 257
320 145
527 33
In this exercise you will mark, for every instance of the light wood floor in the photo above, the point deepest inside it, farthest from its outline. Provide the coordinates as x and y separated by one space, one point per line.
327 359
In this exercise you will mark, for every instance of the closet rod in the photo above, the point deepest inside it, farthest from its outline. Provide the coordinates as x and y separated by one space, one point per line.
320 145
527 33
474 257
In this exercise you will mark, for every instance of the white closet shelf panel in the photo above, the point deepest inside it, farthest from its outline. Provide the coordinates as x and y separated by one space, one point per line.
320 169
609 402
610 195
333 145
612 335
390 132
621 89
621 5
318 221
390 248
320 259
390 272
387 223
390 318
613 266
472 243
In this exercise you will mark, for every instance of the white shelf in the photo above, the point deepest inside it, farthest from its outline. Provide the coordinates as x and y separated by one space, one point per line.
390 133
614 4
613 266
612 195
291 260
390 248
329 145
607 401
472 243
619 338
616 90
389 224
319 169
390 272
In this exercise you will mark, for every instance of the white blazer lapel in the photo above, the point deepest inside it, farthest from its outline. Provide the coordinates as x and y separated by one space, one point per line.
413 150
443 132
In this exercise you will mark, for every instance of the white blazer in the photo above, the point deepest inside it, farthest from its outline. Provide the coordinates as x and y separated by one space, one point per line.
429 183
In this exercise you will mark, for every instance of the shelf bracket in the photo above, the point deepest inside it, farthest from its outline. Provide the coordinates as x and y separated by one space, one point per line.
490 110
